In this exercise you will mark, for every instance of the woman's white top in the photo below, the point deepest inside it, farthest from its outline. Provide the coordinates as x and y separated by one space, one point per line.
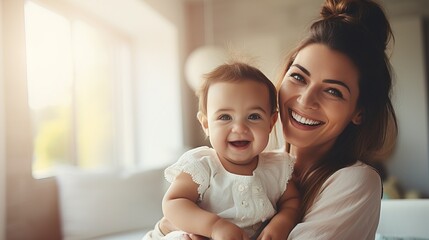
347 207
247 201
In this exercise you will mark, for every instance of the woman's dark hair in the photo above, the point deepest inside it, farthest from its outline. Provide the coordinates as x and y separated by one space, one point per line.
360 30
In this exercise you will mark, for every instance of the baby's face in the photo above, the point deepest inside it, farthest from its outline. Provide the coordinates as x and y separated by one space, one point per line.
239 120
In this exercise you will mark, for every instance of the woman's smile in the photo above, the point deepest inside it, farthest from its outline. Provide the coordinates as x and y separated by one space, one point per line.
303 121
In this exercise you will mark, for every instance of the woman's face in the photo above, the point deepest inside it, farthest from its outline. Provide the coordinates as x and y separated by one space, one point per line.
318 97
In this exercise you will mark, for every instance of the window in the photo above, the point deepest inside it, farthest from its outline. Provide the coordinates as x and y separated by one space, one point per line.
79 92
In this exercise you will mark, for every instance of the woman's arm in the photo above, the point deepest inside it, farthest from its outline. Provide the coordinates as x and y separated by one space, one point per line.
286 218
347 207
180 208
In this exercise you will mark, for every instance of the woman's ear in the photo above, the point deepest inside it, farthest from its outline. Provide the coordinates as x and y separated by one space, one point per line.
203 121
358 117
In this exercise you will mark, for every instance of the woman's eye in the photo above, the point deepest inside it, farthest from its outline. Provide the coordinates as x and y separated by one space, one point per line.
297 77
254 116
224 117
335 92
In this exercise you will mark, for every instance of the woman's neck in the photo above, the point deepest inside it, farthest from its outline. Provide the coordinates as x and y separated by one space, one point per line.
306 157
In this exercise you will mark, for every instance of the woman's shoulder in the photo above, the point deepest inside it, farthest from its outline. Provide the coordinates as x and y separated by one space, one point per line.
349 199
357 170
358 177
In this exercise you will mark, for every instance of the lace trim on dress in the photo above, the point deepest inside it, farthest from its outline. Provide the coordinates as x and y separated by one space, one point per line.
191 164
284 174
200 176
291 165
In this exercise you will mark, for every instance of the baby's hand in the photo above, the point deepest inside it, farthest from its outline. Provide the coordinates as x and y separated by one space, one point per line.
225 230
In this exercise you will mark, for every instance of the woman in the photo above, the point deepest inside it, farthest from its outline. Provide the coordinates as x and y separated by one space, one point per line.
336 113
335 106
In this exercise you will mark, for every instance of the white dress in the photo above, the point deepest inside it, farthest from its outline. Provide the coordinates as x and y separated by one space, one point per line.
347 207
246 201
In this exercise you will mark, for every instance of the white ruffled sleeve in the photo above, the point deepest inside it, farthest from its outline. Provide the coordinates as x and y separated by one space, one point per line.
195 162
276 168
348 207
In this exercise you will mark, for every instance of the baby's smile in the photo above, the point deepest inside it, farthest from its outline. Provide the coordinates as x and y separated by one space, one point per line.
240 144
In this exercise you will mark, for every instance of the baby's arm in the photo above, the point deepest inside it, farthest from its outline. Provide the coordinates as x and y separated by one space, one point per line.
286 217
180 208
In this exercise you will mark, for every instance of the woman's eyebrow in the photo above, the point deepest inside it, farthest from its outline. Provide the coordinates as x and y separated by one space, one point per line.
302 69
332 81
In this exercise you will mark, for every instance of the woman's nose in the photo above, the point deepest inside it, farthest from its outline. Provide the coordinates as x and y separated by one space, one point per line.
308 98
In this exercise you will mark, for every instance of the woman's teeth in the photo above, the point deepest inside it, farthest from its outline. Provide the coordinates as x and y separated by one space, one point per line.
304 120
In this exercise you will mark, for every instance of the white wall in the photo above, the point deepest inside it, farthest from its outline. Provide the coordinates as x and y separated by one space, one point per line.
266 30
410 161
159 117
157 30
2 143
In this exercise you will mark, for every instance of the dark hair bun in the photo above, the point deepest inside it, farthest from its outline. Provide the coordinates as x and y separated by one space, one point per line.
367 14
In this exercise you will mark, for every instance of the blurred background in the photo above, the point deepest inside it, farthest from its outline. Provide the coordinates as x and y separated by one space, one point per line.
107 84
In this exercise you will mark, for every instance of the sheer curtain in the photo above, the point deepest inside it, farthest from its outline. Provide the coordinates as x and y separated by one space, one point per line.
99 97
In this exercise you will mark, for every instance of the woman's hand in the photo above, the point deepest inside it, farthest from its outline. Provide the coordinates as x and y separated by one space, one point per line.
272 233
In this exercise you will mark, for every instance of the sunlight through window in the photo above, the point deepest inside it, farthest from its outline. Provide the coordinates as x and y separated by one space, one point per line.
76 92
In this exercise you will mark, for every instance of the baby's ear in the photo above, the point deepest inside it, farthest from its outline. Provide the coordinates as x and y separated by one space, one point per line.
274 118
203 121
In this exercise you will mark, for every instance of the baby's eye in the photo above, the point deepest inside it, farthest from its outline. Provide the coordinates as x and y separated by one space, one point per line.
335 92
254 116
225 117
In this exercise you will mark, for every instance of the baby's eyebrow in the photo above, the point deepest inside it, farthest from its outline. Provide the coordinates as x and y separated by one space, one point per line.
224 110
258 108
253 108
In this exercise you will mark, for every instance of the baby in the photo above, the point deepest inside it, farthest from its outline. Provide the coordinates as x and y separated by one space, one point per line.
233 190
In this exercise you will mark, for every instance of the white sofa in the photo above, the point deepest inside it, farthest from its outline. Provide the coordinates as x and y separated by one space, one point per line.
404 219
111 205
108 204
